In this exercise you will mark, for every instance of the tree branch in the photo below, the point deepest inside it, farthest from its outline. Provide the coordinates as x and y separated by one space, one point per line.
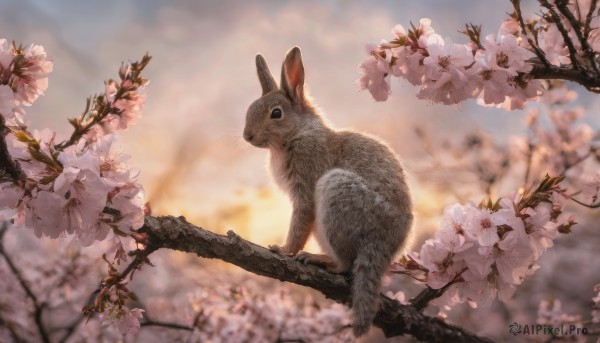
553 72
393 318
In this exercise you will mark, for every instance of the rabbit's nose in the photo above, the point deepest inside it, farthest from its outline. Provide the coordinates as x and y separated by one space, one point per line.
248 136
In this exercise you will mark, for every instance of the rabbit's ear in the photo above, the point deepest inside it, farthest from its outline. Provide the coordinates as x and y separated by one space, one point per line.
267 81
292 75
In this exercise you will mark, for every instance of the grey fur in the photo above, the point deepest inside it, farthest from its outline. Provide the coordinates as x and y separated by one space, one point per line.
347 187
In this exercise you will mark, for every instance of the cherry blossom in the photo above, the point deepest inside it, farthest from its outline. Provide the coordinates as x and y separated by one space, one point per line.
398 296
125 320
452 231
440 262
483 252
30 74
499 64
375 76
539 232
483 291
446 79
10 195
591 189
9 109
6 57
127 109
70 191
553 45
409 50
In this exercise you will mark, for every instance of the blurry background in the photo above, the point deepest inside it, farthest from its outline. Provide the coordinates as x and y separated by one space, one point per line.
188 144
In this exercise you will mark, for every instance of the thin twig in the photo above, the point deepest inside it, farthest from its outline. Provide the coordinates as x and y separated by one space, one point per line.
588 20
563 31
71 328
39 307
517 6
587 49
584 204
536 49
167 325
421 300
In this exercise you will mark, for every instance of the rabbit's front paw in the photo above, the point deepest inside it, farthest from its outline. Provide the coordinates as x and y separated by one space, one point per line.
284 250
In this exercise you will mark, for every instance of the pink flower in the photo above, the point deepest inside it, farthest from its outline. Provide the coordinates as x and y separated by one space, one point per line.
375 75
9 199
510 258
483 224
126 321
9 109
446 79
7 101
130 108
440 263
30 74
498 62
552 43
541 235
6 57
524 90
112 165
45 214
87 193
424 29
509 26
483 291
398 296
559 200
484 227
33 168
452 229
125 111
591 190
409 58
126 196
129 202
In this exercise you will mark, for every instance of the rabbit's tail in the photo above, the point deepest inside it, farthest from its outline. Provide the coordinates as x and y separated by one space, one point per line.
368 269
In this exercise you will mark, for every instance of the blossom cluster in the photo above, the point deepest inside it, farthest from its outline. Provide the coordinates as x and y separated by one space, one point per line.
483 251
23 78
84 190
80 186
119 107
564 145
494 69
237 315
550 314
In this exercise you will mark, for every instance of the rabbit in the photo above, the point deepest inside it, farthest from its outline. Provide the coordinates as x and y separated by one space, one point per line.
346 187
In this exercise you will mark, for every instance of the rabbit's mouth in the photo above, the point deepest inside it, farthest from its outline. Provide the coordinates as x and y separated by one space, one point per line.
256 141
260 144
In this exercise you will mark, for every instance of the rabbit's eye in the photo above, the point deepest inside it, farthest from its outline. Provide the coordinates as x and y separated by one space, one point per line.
276 113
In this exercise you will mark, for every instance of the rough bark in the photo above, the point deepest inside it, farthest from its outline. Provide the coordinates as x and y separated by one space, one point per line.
393 318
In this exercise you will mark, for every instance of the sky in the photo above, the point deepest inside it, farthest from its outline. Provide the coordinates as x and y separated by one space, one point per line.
188 144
